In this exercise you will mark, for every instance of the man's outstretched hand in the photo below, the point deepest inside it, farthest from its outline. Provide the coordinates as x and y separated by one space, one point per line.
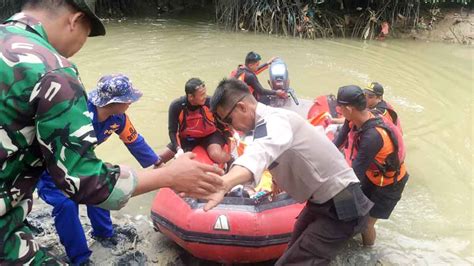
271 60
275 191
214 199
237 175
193 178
282 94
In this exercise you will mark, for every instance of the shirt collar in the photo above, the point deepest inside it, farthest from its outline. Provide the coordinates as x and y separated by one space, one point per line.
260 112
30 24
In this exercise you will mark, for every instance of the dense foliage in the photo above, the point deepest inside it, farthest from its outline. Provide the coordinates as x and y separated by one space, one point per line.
299 18
329 18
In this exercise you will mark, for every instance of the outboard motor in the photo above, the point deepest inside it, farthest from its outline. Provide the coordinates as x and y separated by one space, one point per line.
279 78
279 75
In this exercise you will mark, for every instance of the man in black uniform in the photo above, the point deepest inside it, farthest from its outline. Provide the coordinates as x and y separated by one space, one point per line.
248 74
375 150
191 123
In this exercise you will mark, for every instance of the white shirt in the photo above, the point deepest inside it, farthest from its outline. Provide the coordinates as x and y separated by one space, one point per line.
302 160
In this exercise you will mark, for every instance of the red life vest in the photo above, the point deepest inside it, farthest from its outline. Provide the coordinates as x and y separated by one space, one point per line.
233 73
393 117
389 113
388 166
196 124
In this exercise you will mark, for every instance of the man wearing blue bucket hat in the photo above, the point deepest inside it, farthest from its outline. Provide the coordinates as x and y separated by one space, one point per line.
114 89
107 103
45 125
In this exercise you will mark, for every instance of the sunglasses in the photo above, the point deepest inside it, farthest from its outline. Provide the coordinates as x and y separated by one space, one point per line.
227 119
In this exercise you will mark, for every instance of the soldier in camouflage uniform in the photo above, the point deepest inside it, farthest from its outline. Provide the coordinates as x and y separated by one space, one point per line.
45 124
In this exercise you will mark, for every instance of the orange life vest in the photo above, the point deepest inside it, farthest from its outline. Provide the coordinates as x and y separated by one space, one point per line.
388 166
239 73
196 124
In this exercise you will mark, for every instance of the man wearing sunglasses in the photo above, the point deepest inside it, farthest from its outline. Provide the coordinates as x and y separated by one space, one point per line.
304 163
191 123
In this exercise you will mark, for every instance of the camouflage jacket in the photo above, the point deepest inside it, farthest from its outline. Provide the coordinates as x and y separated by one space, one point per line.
45 124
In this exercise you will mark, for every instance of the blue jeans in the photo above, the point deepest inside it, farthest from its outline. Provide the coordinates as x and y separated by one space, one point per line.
67 223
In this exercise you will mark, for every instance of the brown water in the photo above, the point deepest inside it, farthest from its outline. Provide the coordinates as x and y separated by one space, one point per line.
429 84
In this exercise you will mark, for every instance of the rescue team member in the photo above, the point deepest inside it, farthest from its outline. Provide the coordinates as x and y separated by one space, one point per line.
290 148
191 123
107 104
248 74
45 125
376 151
377 105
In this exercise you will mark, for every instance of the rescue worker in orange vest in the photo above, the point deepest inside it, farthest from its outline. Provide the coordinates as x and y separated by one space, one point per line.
377 105
248 74
376 151
191 123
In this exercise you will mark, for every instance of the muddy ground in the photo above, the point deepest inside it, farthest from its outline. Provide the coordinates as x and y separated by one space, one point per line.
451 26
139 244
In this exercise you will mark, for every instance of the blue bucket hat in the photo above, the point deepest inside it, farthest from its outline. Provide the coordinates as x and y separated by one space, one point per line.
114 89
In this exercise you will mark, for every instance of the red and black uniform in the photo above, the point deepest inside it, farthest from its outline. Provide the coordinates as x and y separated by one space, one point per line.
376 153
250 78
189 125
385 109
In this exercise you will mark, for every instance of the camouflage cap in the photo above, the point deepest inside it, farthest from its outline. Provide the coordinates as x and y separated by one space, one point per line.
114 89
88 7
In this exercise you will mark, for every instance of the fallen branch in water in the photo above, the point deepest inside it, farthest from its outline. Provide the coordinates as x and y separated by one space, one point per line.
455 36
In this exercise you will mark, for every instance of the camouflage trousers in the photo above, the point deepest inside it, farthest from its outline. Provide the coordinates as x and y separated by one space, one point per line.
17 246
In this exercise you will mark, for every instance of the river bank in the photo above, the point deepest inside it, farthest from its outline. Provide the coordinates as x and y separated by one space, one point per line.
450 26
137 243
438 24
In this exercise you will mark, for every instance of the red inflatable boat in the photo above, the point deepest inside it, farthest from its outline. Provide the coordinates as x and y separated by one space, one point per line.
323 105
320 113
237 230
